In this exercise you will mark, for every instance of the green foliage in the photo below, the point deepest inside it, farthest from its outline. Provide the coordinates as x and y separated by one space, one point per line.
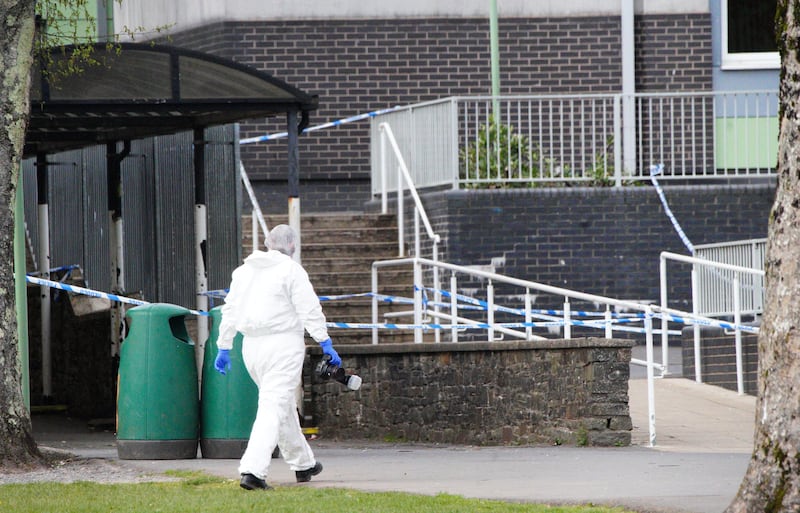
499 155
501 158
216 495
74 22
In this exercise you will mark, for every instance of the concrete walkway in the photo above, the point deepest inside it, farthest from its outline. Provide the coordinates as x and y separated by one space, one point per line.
704 439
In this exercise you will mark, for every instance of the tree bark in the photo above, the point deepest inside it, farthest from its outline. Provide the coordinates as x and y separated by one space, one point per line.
17 27
772 481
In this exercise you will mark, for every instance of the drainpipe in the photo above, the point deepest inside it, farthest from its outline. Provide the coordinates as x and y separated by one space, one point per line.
116 239
628 88
200 238
293 159
42 186
495 57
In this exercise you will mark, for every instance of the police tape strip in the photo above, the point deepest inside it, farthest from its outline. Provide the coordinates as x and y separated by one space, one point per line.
94 293
657 170
519 311
706 322
330 124
599 323
477 325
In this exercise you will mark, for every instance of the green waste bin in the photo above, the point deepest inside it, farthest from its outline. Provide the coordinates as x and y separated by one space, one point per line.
157 392
228 403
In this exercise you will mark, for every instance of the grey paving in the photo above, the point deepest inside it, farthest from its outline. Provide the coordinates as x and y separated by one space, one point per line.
703 443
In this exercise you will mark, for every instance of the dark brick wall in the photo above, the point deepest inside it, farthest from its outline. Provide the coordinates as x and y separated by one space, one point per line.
673 53
718 358
358 66
565 391
604 241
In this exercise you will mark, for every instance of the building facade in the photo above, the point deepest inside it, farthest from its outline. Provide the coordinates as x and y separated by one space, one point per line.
365 56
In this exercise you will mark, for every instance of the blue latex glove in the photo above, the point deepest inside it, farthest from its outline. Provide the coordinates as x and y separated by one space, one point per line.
223 361
327 348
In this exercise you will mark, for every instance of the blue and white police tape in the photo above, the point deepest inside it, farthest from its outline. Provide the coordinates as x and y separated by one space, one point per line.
519 311
706 322
476 325
95 293
330 124
68 268
657 170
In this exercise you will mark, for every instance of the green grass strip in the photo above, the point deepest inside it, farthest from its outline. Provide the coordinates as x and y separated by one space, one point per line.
195 493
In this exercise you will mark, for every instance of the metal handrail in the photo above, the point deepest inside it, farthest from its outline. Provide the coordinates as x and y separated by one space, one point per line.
737 310
258 216
649 312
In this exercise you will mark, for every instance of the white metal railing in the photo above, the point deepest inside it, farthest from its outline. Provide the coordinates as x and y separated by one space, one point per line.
405 180
714 290
259 225
460 312
551 139
736 272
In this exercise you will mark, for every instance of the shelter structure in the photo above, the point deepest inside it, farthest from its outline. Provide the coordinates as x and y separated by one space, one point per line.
136 162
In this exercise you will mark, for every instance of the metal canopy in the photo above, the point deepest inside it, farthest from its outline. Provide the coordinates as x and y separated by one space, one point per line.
142 90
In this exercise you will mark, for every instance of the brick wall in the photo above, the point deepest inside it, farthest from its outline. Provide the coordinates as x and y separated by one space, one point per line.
673 53
566 391
604 241
357 66
718 358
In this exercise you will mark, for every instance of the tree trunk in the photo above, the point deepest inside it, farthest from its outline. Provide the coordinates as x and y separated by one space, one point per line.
17 26
772 481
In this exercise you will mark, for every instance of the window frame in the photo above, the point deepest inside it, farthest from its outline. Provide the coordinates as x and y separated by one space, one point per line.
743 60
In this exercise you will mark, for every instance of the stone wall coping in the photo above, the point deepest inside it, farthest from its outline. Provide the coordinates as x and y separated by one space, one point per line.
454 347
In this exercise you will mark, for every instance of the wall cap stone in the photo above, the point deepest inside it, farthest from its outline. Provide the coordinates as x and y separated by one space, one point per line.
455 347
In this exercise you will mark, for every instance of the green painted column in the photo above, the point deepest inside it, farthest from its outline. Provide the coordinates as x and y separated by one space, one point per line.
494 45
21 291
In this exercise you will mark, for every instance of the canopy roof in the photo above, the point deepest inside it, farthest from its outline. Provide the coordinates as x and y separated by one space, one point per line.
141 90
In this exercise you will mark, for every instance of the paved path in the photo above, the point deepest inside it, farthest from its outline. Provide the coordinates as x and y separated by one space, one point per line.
704 438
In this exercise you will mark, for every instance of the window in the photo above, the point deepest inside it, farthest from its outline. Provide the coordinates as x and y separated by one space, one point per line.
748 34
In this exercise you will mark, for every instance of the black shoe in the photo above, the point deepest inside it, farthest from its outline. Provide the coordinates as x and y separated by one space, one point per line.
251 482
304 476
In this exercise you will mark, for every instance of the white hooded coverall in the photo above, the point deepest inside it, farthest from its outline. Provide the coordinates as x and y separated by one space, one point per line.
270 302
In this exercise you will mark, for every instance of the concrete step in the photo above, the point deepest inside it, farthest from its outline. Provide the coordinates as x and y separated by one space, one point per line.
344 221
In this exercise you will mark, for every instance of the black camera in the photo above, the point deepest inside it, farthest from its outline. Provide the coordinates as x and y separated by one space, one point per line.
326 370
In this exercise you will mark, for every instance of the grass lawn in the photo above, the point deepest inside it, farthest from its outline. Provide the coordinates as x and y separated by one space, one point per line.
195 493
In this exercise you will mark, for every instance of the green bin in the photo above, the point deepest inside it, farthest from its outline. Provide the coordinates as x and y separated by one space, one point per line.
157 391
228 403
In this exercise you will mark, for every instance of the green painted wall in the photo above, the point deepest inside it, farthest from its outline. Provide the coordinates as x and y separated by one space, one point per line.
746 142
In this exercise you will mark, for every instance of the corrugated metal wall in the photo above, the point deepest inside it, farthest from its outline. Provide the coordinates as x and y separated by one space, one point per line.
158 214
224 202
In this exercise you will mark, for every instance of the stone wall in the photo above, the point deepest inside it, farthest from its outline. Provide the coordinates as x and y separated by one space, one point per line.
557 392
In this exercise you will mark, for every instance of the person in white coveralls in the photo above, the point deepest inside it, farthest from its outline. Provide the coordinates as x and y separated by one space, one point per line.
270 302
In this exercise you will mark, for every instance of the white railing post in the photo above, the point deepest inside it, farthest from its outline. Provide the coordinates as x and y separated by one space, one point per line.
401 236
737 320
417 301
416 233
528 316
437 294
384 185
609 333
453 306
698 373
490 311
567 320
662 268
374 304
651 395
254 228
617 141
